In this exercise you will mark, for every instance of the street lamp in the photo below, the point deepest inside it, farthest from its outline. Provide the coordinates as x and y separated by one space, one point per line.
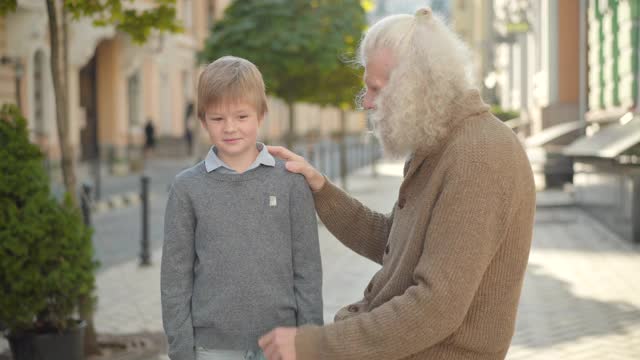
18 70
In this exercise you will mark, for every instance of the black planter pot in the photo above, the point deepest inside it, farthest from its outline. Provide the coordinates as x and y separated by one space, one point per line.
67 345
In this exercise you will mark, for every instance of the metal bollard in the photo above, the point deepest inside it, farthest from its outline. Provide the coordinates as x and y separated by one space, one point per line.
374 157
344 166
319 159
145 257
97 176
328 164
635 211
85 203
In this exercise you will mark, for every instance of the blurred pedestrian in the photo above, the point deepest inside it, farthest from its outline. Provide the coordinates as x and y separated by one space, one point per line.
149 136
189 127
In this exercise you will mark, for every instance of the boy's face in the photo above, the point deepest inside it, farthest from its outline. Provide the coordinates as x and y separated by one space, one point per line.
232 128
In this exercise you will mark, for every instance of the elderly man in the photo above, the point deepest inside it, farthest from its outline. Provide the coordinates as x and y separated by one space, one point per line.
455 247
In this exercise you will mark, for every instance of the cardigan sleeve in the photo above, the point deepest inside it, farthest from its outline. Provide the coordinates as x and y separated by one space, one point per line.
466 228
359 228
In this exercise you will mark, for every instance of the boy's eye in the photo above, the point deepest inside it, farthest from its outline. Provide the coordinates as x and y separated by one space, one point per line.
244 116
215 119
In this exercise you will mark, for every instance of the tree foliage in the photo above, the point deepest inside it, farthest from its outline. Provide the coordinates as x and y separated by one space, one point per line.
136 22
297 44
139 23
7 6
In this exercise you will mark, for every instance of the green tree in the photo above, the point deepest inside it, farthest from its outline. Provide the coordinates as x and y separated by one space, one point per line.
138 24
339 87
297 44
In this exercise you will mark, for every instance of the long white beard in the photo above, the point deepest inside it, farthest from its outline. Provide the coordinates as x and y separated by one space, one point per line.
402 135
391 145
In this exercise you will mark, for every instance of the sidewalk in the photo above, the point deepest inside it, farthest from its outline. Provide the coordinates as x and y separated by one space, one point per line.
129 296
581 297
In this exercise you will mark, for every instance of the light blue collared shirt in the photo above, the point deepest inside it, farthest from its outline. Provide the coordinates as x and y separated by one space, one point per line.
214 163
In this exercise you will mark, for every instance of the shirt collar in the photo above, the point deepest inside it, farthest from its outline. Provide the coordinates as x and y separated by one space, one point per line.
213 162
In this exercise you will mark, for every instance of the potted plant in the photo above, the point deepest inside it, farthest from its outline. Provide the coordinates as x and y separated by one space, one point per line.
46 255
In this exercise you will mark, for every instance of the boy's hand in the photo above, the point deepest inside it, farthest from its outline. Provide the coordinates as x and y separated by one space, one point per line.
279 344
297 164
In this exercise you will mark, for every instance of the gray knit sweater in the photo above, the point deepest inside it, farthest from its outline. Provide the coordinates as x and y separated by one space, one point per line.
240 257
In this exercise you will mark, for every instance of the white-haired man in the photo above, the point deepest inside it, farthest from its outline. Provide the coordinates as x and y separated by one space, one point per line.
455 247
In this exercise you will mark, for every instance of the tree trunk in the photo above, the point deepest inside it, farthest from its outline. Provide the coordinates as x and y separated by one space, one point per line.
59 90
343 149
91 346
291 134
59 73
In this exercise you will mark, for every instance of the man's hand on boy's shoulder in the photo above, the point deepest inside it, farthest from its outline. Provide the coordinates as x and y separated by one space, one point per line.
297 164
279 344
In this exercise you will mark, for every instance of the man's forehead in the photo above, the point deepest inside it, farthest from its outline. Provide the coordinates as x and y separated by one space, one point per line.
383 56
379 64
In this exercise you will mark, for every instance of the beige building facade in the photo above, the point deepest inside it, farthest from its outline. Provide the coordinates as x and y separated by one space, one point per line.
115 85
472 20
537 57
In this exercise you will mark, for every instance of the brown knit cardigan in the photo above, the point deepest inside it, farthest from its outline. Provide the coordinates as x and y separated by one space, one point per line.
453 251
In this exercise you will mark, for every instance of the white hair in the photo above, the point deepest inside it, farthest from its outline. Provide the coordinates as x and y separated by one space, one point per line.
432 70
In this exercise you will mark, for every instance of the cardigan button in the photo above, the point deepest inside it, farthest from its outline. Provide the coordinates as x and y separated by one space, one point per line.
401 203
352 308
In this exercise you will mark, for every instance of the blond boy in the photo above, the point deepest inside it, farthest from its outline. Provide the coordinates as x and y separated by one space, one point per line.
241 253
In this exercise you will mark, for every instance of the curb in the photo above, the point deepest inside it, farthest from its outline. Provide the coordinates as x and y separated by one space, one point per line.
118 201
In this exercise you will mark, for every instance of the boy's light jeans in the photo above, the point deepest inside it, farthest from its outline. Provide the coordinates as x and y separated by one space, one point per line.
206 354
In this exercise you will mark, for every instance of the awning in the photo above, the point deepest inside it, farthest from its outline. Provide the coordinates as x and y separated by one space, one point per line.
609 142
552 133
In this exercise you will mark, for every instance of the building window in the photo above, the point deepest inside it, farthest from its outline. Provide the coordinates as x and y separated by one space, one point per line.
38 94
211 13
187 88
165 104
187 14
188 97
133 92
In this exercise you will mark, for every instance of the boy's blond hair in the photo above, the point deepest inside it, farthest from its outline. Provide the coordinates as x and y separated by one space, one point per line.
231 80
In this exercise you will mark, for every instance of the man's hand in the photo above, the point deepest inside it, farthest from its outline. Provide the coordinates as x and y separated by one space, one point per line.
297 164
279 344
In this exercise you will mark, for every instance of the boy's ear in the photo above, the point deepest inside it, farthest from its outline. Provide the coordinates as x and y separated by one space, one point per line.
261 118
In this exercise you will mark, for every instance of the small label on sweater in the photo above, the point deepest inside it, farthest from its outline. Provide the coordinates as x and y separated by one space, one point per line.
273 202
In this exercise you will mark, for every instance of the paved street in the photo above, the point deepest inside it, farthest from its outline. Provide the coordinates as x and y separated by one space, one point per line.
581 298
118 232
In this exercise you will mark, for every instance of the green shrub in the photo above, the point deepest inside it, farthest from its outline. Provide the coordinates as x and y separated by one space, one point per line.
502 114
46 254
